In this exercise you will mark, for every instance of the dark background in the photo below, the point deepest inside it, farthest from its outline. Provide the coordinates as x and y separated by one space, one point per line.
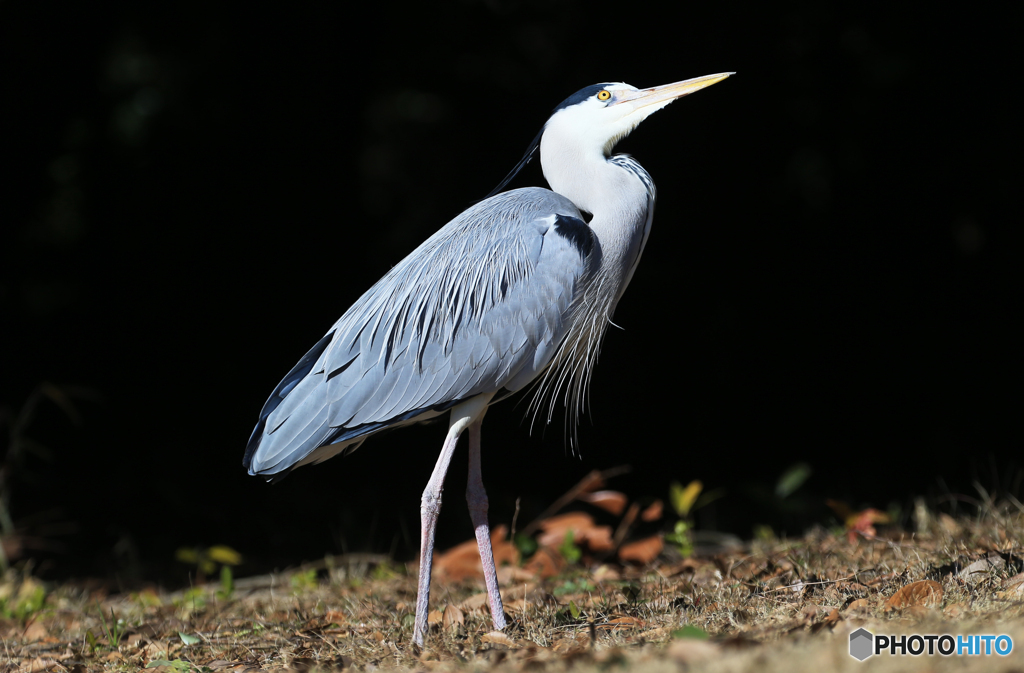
193 193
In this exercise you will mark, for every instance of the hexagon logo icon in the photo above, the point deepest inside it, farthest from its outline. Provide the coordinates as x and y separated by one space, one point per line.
862 644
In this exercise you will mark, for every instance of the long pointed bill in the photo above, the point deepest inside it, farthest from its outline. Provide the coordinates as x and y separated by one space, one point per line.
660 96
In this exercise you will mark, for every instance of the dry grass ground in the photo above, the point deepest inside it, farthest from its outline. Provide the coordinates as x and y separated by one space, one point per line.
778 605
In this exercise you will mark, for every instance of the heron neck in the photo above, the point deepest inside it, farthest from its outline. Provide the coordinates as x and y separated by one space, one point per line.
620 202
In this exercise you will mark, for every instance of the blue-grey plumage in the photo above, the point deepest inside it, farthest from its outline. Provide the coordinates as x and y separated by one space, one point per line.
479 307
518 288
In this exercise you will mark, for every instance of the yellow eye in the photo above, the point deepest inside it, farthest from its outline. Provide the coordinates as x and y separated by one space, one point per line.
604 95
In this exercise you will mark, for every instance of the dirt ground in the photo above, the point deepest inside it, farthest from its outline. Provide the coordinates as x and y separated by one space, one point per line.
768 605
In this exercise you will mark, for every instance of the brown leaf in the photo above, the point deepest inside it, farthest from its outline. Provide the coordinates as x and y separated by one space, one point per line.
463 560
927 593
434 618
545 563
655 635
606 573
452 617
642 551
623 622
555 528
599 539
1013 588
955 610
335 617
612 502
38 664
983 568
509 596
570 644
514 575
498 638
653 511
35 632
859 605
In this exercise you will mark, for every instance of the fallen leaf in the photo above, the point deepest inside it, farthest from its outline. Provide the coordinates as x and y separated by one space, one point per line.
809 612
612 502
1012 587
954 610
642 551
463 560
335 617
654 635
498 638
154 649
862 523
433 618
38 664
606 573
653 511
555 528
622 622
508 596
513 574
859 605
927 593
35 632
917 611
577 643
545 563
982 568
599 539
452 617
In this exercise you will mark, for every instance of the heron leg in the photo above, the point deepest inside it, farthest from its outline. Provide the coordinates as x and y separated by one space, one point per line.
477 498
430 506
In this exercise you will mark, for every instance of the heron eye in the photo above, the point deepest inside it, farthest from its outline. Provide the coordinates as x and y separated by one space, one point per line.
604 95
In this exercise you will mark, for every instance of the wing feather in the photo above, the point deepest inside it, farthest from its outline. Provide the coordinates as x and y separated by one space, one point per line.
482 305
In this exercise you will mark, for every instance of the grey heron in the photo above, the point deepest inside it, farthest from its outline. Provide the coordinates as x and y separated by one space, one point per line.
519 287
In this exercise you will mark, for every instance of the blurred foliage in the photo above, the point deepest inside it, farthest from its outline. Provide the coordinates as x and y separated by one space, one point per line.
20 596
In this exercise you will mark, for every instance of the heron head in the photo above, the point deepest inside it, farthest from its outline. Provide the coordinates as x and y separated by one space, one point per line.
591 121
601 115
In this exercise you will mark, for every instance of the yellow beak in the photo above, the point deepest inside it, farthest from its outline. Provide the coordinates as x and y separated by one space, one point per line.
666 93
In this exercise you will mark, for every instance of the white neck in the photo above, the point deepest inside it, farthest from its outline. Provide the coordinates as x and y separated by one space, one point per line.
616 197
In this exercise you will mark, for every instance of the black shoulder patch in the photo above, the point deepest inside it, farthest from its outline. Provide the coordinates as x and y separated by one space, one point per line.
577 232
580 96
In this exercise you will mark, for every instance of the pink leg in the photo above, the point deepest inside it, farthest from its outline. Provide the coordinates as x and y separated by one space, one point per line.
462 416
477 498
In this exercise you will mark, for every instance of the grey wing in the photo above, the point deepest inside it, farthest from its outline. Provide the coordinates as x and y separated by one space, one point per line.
479 307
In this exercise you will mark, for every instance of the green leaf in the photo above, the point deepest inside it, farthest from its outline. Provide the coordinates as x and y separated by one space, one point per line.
690 631
683 498
224 554
189 640
186 555
794 477
573 610
227 582
569 551
304 581
177 664
526 545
